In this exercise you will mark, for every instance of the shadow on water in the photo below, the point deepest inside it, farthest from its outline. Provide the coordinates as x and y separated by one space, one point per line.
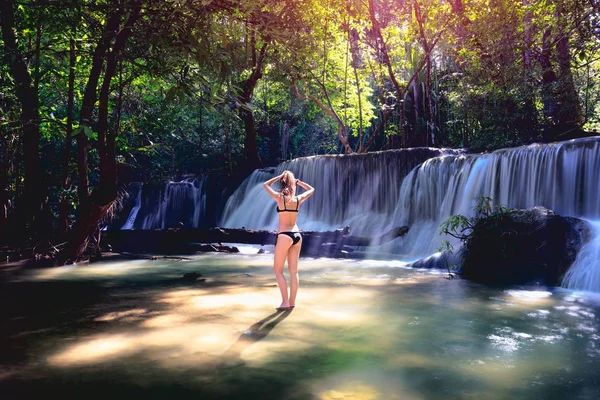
255 333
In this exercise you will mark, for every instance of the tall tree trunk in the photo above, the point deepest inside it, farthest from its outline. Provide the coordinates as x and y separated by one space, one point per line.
227 142
5 157
31 201
285 139
246 113
549 79
428 113
87 107
63 216
357 63
200 128
360 116
569 109
346 78
93 207
530 123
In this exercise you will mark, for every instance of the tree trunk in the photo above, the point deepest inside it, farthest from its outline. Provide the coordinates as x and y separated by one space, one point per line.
360 118
253 160
342 129
31 201
63 216
529 124
285 140
385 113
227 142
4 199
246 113
87 108
569 109
549 78
94 207
427 113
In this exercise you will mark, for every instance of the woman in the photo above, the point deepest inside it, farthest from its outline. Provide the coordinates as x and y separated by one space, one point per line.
289 240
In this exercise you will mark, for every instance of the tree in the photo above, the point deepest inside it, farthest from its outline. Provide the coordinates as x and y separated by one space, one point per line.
31 200
95 205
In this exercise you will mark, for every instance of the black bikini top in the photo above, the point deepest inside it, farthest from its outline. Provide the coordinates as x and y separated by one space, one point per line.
285 208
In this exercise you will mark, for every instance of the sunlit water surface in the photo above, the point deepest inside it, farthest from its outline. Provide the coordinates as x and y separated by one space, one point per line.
361 330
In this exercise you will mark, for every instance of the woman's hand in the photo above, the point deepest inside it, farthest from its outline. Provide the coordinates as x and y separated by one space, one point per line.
273 180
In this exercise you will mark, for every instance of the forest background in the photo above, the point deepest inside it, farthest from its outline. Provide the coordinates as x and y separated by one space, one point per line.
96 94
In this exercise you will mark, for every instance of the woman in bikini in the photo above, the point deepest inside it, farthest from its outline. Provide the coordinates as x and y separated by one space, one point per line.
289 240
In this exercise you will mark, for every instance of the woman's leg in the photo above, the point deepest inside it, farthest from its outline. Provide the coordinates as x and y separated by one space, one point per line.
293 257
281 251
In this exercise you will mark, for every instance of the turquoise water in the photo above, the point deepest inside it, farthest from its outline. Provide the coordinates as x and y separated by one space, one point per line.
361 330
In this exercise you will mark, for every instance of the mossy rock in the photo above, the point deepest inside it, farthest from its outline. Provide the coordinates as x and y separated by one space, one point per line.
532 246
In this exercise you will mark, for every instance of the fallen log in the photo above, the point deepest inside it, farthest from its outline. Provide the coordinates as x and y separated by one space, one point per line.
185 240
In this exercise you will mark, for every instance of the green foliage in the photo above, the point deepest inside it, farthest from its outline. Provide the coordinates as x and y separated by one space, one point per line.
461 227
174 102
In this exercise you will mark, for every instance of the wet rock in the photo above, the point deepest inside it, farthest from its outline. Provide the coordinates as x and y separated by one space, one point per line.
445 260
532 246
219 248
192 277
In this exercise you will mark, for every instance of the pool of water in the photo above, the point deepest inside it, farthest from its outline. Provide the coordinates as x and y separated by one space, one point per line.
361 330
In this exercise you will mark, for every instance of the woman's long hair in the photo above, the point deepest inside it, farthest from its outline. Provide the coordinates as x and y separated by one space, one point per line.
286 183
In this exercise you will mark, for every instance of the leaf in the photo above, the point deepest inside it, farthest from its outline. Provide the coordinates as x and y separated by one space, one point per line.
89 132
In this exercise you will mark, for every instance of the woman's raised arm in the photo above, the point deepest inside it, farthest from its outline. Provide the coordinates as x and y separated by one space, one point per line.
269 189
309 190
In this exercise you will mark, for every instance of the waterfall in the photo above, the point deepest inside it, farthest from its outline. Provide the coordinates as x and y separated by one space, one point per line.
423 187
176 204
561 176
584 274
359 190
130 221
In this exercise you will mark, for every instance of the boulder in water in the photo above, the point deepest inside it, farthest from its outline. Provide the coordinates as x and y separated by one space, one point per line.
441 260
532 246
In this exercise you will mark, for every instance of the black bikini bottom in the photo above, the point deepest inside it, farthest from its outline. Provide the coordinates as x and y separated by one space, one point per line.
296 237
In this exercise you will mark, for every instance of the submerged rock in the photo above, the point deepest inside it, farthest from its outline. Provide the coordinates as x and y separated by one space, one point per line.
193 277
532 246
451 261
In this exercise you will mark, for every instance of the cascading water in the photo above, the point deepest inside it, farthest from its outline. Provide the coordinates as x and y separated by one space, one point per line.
358 190
561 176
584 274
135 187
375 192
177 204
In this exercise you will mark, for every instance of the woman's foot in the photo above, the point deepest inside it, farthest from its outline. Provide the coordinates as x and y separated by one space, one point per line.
284 306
